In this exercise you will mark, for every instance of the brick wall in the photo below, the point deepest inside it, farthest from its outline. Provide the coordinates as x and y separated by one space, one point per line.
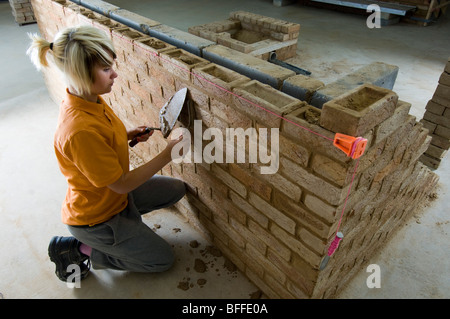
252 33
437 120
276 228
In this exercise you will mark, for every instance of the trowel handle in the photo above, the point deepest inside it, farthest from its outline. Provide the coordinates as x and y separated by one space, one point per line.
147 130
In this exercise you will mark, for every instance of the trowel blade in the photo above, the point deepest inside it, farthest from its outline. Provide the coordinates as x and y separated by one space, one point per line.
171 111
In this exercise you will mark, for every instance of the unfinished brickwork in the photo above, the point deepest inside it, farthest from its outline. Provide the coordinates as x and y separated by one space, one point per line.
252 33
22 11
275 228
437 120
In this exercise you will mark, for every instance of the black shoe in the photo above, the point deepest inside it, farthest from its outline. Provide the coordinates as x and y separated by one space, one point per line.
64 251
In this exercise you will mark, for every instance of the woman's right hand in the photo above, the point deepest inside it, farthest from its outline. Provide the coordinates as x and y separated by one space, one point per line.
170 145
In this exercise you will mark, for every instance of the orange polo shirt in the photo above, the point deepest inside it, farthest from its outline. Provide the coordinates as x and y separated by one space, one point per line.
91 146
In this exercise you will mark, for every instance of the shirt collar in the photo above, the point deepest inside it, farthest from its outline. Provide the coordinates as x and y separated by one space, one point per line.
75 102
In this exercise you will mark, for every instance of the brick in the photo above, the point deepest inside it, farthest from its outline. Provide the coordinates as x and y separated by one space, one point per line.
435 108
251 182
264 49
106 25
331 170
265 264
388 126
281 183
263 103
199 98
428 125
259 282
444 79
206 179
278 286
322 209
440 120
442 91
247 65
250 210
296 246
419 146
445 101
294 151
442 131
312 136
148 49
270 240
430 161
211 121
230 115
231 232
331 194
180 62
379 74
123 39
229 180
272 213
390 143
217 80
300 214
301 87
294 272
249 237
359 110
440 141
166 81
316 244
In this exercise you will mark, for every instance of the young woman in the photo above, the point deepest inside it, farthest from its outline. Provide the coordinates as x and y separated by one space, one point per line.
104 200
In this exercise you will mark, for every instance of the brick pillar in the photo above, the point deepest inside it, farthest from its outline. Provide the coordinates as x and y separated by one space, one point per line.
437 120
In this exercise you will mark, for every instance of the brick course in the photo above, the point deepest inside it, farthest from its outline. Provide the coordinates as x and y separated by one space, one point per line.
274 228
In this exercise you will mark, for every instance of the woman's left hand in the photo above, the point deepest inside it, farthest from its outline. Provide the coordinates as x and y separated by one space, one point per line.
139 130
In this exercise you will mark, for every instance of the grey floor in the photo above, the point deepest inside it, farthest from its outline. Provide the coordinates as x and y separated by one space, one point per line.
415 264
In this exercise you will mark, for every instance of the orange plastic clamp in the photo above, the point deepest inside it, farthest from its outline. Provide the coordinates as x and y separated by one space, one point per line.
354 147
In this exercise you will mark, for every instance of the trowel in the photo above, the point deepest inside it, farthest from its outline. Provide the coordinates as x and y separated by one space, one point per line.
168 116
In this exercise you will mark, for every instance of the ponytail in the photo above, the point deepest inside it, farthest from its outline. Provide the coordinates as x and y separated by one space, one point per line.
38 50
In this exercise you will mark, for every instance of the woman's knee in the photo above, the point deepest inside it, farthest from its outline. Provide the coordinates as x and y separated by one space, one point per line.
180 188
164 262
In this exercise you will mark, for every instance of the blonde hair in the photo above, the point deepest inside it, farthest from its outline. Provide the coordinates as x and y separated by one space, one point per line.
75 51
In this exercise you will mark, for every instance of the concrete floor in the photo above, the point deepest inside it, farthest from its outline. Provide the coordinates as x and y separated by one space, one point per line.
415 264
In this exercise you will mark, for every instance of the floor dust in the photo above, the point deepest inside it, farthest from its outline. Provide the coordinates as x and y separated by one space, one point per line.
194 244
208 260
200 266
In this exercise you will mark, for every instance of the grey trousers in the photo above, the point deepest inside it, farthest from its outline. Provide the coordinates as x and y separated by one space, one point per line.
125 242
